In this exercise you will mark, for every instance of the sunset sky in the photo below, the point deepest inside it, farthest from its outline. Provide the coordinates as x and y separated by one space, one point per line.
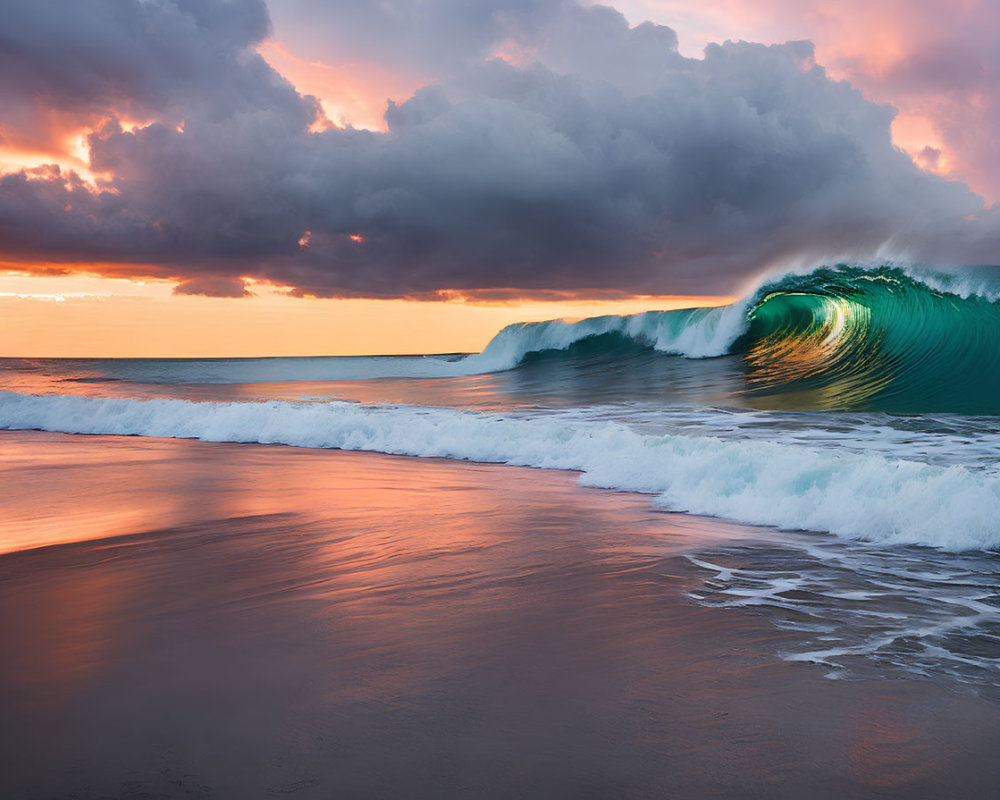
235 177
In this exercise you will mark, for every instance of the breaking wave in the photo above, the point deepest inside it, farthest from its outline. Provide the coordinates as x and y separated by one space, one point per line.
873 338
859 495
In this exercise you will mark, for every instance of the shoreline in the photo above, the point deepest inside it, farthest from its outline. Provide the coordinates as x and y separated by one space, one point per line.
162 455
340 624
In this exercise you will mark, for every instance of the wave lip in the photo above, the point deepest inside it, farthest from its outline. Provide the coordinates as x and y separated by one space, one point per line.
691 332
875 338
844 337
863 496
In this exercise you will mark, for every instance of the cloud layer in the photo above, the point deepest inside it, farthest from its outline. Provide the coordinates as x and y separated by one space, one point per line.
935 60
602 159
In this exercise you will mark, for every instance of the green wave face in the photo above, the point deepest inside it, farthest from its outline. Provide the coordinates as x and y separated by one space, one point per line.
871 339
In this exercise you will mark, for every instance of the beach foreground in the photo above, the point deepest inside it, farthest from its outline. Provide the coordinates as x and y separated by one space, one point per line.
243 621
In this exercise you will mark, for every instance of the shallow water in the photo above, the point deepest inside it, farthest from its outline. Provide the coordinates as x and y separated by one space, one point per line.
866 612
270 621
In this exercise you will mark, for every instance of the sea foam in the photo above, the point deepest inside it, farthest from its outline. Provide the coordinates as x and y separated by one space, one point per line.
691 332
866 496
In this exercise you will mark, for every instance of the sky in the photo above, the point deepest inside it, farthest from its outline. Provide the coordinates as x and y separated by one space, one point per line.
240 177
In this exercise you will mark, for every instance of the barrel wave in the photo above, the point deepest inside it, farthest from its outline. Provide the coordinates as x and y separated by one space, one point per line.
846 337
874 339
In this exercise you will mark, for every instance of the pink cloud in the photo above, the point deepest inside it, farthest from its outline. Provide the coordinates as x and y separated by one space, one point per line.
935 60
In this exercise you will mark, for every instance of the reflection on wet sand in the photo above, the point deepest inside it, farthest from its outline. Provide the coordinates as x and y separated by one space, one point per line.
270 620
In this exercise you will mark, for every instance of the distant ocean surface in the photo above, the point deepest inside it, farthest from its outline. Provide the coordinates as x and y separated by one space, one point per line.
854 412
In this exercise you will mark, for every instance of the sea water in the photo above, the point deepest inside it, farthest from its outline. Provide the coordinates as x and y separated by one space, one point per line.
853 412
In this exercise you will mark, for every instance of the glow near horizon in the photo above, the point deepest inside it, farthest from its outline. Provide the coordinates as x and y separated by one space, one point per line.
83 316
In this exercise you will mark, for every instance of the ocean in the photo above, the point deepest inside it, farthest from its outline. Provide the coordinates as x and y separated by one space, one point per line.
720 552
853 411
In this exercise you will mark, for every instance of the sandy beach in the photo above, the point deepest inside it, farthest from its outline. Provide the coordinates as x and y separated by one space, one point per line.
502 400
250 621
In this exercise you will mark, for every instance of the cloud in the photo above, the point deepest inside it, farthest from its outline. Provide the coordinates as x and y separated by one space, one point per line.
935 60
209 286
939 61
66 61
606 162
431 37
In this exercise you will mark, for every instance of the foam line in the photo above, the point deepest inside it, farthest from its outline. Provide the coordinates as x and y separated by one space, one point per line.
867 496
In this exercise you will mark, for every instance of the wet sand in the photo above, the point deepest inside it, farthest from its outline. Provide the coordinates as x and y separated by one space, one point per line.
271 622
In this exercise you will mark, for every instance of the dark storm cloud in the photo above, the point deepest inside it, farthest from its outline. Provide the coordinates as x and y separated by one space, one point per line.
610 162
62 60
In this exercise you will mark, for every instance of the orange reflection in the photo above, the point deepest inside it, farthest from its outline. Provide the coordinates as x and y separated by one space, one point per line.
64 627
412 604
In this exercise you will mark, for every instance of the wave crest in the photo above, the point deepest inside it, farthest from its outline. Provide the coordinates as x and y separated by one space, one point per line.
691 332
850 337
865 496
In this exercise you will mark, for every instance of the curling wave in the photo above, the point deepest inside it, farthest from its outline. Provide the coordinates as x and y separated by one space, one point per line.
874 339
860 495
847 337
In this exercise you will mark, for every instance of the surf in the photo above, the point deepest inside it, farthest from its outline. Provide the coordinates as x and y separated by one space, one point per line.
857 495
869 338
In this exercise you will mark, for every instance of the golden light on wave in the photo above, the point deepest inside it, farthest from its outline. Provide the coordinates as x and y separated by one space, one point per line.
839 343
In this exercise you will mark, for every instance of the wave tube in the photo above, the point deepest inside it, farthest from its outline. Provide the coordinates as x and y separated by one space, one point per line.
846 337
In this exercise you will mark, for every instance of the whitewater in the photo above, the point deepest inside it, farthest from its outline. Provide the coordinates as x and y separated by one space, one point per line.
856 402
843 491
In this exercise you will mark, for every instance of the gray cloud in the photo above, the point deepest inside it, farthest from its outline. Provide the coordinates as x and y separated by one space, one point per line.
441 38
431 37
81 60
609 163
944 66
